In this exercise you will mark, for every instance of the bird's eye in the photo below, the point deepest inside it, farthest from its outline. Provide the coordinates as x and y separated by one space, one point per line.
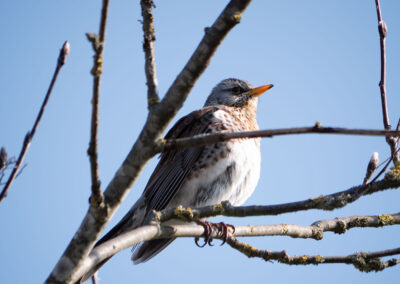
236 90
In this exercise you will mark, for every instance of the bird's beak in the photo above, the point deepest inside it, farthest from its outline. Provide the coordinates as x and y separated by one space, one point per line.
259 90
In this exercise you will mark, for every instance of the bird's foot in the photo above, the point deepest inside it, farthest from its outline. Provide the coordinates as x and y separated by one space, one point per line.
222 231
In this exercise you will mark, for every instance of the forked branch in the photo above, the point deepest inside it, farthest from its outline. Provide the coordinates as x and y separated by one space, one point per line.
363 261
382 28
314 231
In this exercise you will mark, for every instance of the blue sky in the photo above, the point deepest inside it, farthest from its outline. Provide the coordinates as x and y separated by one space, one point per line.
322 57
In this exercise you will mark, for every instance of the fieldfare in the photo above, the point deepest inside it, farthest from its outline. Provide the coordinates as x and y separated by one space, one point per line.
203 175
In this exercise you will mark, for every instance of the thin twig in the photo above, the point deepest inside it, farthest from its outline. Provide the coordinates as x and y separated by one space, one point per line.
62 57
382 28
148 48
363 261
205 139
97 41
382 84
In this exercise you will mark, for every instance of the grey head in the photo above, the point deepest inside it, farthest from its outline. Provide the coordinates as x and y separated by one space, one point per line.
235 93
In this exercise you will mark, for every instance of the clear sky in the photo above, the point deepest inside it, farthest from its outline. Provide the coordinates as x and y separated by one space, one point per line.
322 57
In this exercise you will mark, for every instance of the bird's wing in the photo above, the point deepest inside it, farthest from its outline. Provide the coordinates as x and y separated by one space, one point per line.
175 165
167 178
170 173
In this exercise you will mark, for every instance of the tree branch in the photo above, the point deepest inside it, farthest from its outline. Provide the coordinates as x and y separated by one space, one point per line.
155 231
382 28
382 84
97 41
363 261
148 48
328 202
144 148
62 57
200 140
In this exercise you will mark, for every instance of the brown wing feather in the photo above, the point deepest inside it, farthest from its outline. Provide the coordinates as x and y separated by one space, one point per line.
174 164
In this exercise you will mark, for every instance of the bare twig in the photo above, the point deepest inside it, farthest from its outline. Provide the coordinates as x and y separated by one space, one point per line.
62 57
155 231
144 148
205 139
148 48
363 261
97 41
382 84
382 28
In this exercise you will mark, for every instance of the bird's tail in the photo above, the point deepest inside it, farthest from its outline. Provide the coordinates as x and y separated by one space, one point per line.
133 219
149 249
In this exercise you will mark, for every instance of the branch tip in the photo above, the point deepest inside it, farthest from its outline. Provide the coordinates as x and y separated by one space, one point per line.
65 49
372 166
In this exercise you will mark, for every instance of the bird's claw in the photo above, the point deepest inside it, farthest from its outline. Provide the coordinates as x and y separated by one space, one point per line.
222 231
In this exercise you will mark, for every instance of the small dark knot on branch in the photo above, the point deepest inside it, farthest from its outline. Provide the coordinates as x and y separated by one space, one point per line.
237 17
94 39
382 29
317 125
91 151
97 46
365 264
96 200
28 138
3 158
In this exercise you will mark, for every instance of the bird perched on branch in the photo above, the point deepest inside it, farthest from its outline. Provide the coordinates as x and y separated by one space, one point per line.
203 175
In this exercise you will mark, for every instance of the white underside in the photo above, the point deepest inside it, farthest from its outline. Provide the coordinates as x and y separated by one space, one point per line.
245 154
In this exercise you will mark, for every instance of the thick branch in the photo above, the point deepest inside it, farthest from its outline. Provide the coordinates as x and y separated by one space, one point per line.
205 139
148 48
315 231
363 261
144 148
62 57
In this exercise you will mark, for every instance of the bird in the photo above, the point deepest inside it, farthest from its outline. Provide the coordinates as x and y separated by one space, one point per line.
203 175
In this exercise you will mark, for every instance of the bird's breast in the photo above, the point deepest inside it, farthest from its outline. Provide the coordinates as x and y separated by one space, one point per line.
226 171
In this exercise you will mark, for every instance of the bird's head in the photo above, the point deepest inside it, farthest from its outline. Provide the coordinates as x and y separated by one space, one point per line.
235 93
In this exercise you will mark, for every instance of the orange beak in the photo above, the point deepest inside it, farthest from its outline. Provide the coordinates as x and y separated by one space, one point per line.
259 90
